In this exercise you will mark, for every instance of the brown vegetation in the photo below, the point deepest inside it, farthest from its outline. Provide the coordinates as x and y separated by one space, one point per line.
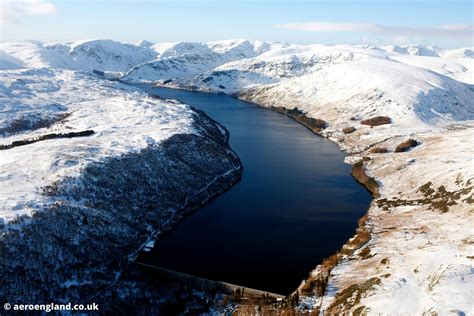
365 253
358 172
406 145
317 283
378 150
438 199
315 124
377 120
312 123
361 237
266 305
351 296
251 309
348 130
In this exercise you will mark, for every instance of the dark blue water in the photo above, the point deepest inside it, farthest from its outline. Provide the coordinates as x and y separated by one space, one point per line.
295 205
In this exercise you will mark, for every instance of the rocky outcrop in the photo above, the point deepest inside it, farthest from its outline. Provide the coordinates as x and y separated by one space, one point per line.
91 226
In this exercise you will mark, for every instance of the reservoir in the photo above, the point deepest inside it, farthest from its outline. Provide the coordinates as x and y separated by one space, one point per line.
295 204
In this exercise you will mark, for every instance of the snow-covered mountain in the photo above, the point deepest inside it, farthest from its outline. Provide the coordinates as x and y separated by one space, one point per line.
418 92
459 53
429 51
417 50
108 55
35 54
103 55
419 250
360 85
183 59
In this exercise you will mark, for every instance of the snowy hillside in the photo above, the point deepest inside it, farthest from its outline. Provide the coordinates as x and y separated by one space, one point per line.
416 99
85 171
404 114
38 102
455 63
458 53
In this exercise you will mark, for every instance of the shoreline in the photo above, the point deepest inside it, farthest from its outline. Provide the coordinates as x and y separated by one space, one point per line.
362 233
358 172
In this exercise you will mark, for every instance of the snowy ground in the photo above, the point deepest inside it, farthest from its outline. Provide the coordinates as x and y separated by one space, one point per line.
420 255
123 121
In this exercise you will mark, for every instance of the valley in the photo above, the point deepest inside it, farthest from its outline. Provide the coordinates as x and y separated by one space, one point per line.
414 245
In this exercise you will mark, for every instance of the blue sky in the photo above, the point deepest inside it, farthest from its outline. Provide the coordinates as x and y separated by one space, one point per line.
444 23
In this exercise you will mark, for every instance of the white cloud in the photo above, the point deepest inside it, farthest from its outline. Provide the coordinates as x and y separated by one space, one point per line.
453 30
12 10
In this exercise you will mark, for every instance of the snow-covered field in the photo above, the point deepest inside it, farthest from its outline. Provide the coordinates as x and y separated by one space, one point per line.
123 121
419 258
